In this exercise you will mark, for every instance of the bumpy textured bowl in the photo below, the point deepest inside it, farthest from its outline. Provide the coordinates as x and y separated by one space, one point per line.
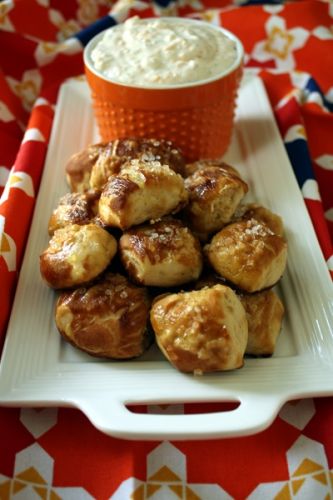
198 117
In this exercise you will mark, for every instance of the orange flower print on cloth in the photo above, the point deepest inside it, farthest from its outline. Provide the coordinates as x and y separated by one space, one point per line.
66 28
280 44
5 23
47 52
88 11
28 88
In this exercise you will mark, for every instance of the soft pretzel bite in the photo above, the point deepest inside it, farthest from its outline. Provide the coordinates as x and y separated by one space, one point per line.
107 318
76 255
201 331
142 191
214 195
161 254
106 164
248 254
262 215
74 208
79 166
151 149
191 168
264 312
120 151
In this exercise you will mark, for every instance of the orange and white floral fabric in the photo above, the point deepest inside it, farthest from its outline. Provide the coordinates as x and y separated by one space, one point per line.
42 453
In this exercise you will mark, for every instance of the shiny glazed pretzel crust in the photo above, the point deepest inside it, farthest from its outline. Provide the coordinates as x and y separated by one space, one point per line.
108 318
161 254
201 331
76 255
141 191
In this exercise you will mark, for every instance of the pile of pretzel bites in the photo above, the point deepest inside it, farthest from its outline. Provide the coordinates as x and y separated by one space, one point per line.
147 247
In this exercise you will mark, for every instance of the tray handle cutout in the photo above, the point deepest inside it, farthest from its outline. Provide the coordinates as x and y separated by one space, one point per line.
253 414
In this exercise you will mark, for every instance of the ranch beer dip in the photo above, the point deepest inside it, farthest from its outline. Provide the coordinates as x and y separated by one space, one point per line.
159 52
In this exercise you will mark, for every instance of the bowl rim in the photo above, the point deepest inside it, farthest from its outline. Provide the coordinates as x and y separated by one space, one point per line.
237 63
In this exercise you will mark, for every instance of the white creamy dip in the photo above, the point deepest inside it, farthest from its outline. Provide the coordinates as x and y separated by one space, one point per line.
157 52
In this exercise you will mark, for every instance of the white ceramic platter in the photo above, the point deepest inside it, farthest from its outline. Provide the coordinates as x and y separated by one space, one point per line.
39 369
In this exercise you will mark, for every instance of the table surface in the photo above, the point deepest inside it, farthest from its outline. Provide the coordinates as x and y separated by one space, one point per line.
56 452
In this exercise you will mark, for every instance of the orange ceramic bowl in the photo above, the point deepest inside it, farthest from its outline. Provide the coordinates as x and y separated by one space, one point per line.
197 117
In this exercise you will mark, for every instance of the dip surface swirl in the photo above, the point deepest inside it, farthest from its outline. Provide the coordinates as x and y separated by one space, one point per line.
158 52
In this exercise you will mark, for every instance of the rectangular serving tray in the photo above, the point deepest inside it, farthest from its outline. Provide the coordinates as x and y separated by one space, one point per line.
39 369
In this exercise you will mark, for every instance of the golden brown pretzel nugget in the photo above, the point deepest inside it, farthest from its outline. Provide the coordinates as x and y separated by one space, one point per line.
191 168
201 331
260 214
79 166
76 255
120 151
141 191
107 318
264 312
164 253
248 254
214 195
74 208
